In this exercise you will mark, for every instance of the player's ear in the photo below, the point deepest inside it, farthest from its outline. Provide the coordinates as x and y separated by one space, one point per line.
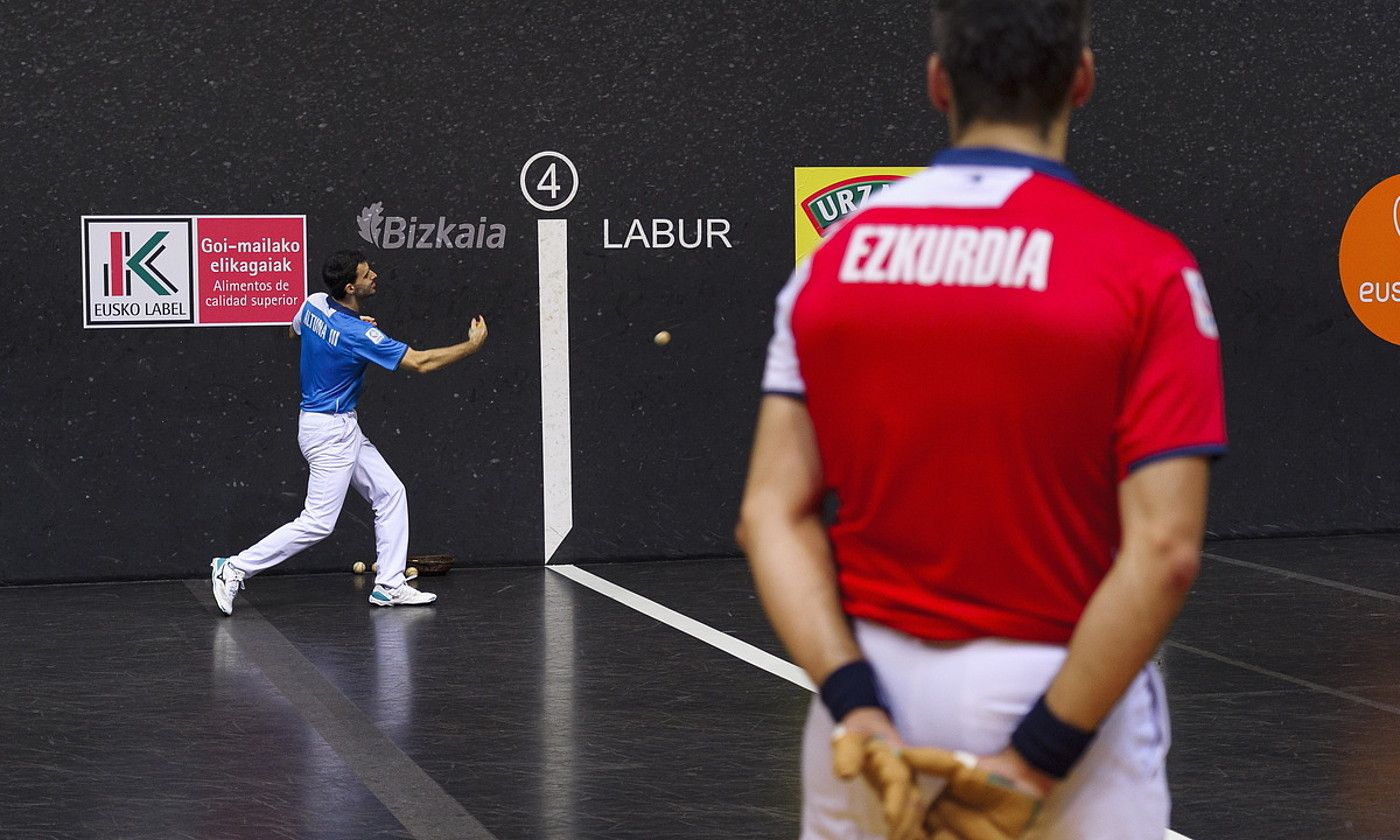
1084 75
940 87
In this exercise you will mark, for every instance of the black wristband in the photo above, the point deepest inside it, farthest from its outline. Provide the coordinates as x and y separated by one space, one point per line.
852 686
1049 744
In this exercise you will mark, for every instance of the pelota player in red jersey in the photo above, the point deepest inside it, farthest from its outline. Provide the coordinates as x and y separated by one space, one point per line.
1013 390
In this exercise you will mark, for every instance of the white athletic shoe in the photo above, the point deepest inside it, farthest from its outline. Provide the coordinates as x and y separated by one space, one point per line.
401 596
227 579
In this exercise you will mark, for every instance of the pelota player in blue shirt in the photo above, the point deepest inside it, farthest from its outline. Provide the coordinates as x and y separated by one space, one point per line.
337 344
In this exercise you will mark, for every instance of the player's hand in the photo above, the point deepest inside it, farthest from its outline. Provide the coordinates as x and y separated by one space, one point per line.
869 720
1010 765
477 333
978 802
866 744
369 319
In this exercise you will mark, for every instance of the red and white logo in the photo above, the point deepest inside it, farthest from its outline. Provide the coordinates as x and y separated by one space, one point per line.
137 271
170 271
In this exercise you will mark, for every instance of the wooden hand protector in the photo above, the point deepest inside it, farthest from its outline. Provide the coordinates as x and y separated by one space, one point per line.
975 805
904 805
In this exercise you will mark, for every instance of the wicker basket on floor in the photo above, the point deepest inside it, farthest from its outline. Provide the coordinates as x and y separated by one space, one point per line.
431 564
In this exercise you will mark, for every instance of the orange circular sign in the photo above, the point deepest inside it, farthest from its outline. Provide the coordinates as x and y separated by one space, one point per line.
1370 260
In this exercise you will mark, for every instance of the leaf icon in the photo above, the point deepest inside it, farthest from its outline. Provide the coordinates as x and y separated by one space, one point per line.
370 220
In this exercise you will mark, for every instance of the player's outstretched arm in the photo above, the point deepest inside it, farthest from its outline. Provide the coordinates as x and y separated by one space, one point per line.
781 531
1163 510
427 361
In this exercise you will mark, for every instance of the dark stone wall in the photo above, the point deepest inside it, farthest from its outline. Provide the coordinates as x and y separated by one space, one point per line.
1250 129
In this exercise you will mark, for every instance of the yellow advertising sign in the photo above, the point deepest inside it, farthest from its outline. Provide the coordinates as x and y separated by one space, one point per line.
824 195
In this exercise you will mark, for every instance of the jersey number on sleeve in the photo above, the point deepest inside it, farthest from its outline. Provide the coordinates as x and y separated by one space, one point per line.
1200 303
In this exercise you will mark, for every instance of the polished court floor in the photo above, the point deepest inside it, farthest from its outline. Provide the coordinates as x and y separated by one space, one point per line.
529 706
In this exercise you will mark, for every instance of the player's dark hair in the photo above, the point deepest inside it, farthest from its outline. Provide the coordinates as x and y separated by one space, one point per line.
1010 60
339 271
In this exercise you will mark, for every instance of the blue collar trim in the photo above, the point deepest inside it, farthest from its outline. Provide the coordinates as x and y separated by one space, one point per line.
337 305
987 156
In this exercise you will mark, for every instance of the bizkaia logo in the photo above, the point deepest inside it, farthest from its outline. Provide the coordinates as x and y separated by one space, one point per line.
390 232
824 195
138 271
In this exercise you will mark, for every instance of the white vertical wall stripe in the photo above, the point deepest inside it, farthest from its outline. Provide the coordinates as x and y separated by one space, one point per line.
555 429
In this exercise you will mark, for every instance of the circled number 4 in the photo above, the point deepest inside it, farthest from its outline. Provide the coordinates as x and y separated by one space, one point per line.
550 182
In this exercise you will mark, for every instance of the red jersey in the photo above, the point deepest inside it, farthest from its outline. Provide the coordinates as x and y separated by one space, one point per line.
986 350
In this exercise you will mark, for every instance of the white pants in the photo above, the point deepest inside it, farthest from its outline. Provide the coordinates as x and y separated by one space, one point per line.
340 456
970 696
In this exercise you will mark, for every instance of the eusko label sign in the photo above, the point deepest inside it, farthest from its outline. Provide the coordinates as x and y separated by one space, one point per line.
191 271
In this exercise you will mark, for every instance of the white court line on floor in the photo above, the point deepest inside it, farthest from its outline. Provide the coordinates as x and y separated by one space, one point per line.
1308 684
1332 584
707 634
